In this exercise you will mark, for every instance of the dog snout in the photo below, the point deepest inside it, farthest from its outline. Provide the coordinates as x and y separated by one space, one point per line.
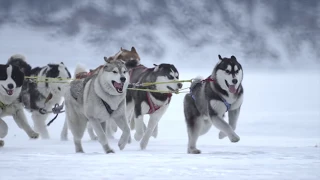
179 85
10 86
123 79
234 81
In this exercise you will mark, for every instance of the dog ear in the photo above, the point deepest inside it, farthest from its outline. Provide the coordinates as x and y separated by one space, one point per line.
133 49
220 57
233 58
61 63
156 68
121 49
106 59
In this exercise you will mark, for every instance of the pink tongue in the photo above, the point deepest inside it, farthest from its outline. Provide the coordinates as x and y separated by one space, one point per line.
232 88
117 85
10 92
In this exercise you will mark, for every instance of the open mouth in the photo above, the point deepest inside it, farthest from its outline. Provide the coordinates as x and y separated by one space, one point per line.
170 88
9 91
232 88
118 86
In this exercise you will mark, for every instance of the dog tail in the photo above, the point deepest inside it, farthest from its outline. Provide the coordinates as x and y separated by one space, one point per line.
20 61
80 68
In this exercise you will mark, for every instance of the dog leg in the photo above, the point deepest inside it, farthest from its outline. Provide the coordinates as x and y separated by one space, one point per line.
77 125
155 132
122 123
3 131
153 122
107 128
39 121
223 126
139 126
233 118
102 138
21 120
93 137
64 132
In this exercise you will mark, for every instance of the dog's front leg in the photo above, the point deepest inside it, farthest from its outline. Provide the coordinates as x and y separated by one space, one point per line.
102 138
122 122
233 119
3 131
153 122
223 126
39 121
22 122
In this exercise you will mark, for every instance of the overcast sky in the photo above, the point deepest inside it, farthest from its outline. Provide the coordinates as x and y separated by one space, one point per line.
273 32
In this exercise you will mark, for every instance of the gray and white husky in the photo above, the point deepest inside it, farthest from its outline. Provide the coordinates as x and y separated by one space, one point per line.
140 103
99 98
210 98
11 80
36 93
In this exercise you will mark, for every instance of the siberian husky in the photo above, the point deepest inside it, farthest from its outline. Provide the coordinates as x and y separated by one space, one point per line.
131 59
210 98
36 92
155 104
99 98
11 80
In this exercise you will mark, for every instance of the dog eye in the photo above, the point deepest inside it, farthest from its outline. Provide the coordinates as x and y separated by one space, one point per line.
170 77
115 72
124 72
227 71
237 71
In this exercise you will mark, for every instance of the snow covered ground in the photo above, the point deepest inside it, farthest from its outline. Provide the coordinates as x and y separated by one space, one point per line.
279 128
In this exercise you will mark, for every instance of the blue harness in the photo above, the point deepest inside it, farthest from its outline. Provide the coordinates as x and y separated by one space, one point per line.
228 105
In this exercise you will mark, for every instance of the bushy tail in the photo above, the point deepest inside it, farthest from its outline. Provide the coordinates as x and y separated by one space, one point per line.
195 81
20 61
80 68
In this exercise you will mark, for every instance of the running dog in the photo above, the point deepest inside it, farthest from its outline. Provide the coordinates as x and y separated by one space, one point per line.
11 81
39 95
140 103
99 98
211 98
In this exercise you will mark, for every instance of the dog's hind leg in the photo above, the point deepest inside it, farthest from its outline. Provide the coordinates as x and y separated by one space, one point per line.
194 124
21 120
233 119
93 137
77 125
39 121
64 132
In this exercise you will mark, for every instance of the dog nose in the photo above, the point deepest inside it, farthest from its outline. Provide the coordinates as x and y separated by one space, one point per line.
179 85
123 79
10 86
234 81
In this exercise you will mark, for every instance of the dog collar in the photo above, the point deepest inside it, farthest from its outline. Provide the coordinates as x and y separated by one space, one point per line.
2 105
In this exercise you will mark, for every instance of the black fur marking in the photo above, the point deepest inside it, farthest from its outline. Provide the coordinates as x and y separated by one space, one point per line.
24 66
53 72
17 75
69 75
3 72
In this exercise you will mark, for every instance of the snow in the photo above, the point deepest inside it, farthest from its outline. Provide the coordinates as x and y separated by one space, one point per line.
279 129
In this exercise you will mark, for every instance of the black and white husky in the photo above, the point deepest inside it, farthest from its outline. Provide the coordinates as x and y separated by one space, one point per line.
42 92
140 103
210 98
11 80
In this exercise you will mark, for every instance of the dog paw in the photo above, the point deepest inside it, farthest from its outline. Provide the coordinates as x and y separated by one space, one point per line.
79 151
194 151
110 151
1 143
94 138
155 133
64 138
234 138
222 135
33 135
143 144
137 136
123 142
129 140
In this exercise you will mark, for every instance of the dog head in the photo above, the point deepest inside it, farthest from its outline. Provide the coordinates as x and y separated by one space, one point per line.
228 73
61 76
11 80
19 61
114 77
167 73
131 58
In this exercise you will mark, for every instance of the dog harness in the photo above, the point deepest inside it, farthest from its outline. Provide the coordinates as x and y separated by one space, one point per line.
209 79
108 108
154 107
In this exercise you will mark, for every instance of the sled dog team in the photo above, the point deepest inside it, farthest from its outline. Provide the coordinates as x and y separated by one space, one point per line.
104 99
